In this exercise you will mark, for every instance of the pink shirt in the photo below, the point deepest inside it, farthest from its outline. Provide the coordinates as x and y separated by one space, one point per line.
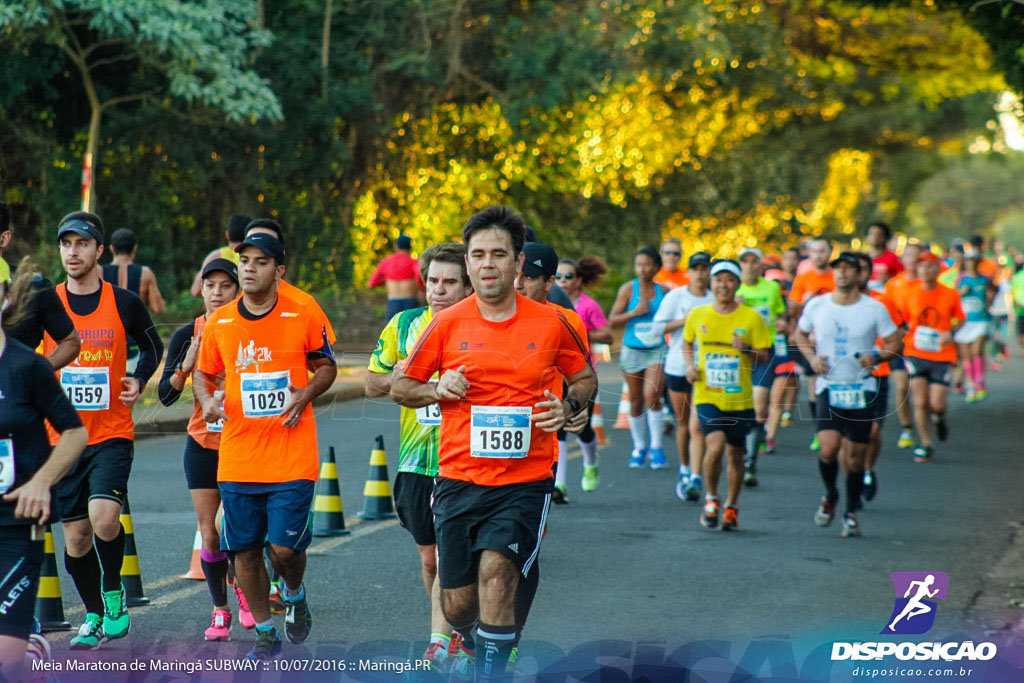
884 267
590 312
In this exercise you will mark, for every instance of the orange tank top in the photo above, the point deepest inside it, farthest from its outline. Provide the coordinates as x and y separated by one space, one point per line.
206 434
93 381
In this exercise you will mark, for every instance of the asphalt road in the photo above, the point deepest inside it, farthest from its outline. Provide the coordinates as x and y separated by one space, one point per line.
629 564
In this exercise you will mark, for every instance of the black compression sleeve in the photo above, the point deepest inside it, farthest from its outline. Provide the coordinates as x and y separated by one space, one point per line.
52 315
48 397
139 326
176 350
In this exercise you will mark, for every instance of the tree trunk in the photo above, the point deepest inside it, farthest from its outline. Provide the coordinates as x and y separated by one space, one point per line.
325 51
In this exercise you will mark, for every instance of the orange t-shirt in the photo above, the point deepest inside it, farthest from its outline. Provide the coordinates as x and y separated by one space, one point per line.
581 331
672 280
989 269
929 312
898 288
305 299
197 427
509 364
897 318
810 284
259 359
93 380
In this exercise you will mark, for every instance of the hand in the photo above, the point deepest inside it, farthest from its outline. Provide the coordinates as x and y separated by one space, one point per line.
189 363
820 365
692 374
577 423
867 360
33 500
212 412
780 324
293 411
945 337
552 415
453 385
132 388
738 343
642 308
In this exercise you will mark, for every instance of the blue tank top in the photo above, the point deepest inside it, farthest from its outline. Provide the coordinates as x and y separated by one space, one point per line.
644 321
973 302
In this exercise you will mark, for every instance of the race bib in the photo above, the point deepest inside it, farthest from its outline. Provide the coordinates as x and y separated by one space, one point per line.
972 305
87 388
429 415
723 373
264 394
499 431
927 339
6 465
766 315
846 396
780 345
649 334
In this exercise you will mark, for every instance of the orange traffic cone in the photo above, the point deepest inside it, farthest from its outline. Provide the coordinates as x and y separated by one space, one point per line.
195 567
622 419
597 422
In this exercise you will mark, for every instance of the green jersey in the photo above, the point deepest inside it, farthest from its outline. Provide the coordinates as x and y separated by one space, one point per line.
1017 291
766 298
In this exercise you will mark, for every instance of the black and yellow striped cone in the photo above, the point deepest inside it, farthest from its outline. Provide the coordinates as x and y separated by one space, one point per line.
377 492
49 603
131 577
328 511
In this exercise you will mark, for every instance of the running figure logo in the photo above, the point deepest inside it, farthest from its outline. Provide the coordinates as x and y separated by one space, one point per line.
914 611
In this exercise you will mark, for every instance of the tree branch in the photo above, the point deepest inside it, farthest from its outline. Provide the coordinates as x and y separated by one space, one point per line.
114 101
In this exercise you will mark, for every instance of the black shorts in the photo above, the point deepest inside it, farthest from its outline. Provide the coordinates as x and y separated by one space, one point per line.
412 503
20 561
469 518
736 424
853 423
1020 325
101 472
200 465
897 364
795 354
680 385
935 371
881 403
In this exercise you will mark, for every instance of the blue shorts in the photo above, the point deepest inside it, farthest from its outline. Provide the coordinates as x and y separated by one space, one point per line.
396 306
764 374
735 423
897 364
257 513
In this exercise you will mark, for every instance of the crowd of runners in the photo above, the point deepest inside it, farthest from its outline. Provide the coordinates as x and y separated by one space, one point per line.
492 374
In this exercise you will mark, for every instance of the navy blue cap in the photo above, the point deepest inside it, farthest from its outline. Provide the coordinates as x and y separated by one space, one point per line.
268 244
224 266
701 258
81 223
404 242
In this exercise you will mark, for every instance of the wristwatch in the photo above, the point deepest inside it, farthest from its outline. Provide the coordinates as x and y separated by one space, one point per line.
574 405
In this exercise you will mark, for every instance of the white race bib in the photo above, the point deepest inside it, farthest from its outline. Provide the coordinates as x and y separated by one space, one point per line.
781 349
723 373
6 465
87 388
499 431
972 305
649 334
218 426
264 394
847 396
927 339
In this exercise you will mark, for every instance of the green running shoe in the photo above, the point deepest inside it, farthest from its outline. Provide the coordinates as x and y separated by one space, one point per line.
590 479
513 658
90 635
814 443
268 645
116 622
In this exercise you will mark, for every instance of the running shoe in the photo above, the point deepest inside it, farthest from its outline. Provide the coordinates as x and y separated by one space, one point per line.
558 496
436 657
220 625
981 395
768 447
638 458
38 650
870 485
971 397
787 419
941 428
995 365
298 621
826 512
277 605
709 517
90 634
923 454
693 488
245 618
850 525
464 664
684 481
731 519
750 472
906 438
590 479
267 646
658 459
959 387
513 659
814 443
116 621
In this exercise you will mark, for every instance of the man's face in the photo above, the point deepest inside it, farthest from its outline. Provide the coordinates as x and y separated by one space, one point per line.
790 261
909 259
700 275
750 266
79 255
256 271
928 271
724 286
218 289
671 254
864 276
819 252
445 286
492 264
846 276
876 237
535 288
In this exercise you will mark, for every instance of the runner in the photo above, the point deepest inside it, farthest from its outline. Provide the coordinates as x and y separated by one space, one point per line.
30 396
785 389
400 273
934 314
955 263
765 297
1017 297
845 323
234 234
999 329
898 290
126 274
92 494
492 492
220 287
670 275
976 292
884 263
443 269
42 311
642 356
729 339
267 468
672 312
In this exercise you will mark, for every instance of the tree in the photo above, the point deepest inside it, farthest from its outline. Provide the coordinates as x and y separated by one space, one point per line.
133 50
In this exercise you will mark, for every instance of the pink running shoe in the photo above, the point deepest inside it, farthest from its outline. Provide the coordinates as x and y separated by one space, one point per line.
244 615
220 626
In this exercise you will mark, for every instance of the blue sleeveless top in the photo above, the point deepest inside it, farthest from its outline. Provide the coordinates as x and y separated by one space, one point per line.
644 321
973 301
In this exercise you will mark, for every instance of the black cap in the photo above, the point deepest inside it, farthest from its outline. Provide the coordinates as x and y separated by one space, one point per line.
541 260
847 257
88 225
268 244
701 258
224 266
404 242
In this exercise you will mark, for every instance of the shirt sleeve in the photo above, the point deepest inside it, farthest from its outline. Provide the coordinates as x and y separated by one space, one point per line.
778 304
806 321
886 325
377 279
176 351
49 398
957 311
318 344
385 355
139 327
596 315
667 309
210 361
52 315
760 337
796 293
572 353
690 328
425 358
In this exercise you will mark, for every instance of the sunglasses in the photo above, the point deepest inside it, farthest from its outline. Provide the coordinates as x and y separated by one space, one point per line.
672 253
565 276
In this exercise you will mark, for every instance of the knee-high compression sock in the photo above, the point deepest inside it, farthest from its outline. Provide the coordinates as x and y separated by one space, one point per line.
589 452
854 487
636 430
111 556
495 647
655 418
979 371
562 468
85 571
525 593
829 470
215 566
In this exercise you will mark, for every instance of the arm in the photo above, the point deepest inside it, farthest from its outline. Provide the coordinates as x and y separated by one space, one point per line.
33 497
154 300
413 393
601 335
324 373
66 350
804 343
139 327
377 279
691 369
208 403
618 316
555 411
57 323
378 384
180 350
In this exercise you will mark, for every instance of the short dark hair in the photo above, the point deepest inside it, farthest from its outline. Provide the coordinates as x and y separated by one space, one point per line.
649 251
866 262
501 218
977 241
237 225
123 241
449 252
266 224
884 226
5 217
796 250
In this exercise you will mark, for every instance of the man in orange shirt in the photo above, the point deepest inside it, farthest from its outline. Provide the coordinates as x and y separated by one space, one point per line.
671 275
897 290
933 312
268 452
498 354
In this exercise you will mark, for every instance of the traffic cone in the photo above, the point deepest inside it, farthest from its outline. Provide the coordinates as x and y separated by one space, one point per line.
130 575
377 492
195 566
597 422
328 511
622 419
49 603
